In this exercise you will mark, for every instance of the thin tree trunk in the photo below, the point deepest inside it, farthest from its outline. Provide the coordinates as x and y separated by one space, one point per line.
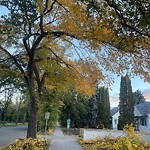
17 116
24 118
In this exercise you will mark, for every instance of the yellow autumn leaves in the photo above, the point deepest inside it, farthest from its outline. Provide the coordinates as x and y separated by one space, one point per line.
28 144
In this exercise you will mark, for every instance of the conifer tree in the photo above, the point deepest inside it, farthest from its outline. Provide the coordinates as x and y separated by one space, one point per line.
138 97
92 112
126 104
103 110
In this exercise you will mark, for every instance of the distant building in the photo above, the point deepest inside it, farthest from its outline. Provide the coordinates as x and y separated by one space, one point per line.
141 113
114 114
142 116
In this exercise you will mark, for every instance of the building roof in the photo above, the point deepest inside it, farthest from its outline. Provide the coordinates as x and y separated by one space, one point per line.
114 111
137 112
143 108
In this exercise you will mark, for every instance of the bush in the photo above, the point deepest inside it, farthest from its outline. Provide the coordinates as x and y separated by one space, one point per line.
50 132
29 144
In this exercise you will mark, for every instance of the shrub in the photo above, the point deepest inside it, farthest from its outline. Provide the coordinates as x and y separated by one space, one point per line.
28 144
50 132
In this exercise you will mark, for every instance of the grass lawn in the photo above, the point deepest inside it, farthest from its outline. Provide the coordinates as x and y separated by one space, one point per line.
11 124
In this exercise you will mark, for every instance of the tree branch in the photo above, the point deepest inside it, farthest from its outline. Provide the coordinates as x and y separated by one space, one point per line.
46 12
60 33
16 62
123 21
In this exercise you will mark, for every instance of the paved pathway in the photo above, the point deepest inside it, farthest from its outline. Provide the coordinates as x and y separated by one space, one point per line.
61 142
9 134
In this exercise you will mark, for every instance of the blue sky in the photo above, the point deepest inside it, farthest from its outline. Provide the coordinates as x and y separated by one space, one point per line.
137 83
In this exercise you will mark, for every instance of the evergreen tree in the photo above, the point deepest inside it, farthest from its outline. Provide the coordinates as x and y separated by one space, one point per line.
126 104
138 97
103 110
92 112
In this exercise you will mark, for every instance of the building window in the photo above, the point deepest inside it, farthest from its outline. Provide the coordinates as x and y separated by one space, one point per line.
143 121
115 121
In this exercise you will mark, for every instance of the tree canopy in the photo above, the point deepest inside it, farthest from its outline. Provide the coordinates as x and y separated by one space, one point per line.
138 97
94 24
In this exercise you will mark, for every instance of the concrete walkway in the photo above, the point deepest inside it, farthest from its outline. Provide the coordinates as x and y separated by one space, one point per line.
61 142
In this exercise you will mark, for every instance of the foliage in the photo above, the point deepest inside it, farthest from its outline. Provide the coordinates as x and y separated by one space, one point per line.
99 109
14 106
126 104
92 112
131 16
138 97
75 108
51 103
103 108
7 93
130 142
50 132
28 144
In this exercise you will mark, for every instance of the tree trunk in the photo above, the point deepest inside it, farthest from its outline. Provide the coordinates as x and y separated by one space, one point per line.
24 118
32 124
17 116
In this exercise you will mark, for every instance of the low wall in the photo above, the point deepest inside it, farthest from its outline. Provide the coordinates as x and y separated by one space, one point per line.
71 131
94 133
90 134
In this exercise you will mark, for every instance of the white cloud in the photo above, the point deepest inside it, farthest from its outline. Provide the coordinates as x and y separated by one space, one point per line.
114 100
146 94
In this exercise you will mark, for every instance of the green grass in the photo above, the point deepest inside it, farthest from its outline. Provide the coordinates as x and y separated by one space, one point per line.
11 124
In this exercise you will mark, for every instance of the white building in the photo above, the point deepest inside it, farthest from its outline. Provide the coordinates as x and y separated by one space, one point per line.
142 116
114 113
141 113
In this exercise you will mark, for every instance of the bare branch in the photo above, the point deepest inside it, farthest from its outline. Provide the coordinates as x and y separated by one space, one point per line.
50 7
60 33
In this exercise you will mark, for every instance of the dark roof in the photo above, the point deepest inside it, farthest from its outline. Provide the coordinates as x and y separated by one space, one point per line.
113 111
144 108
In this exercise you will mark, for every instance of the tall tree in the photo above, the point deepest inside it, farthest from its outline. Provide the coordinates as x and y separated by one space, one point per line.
92 112
126 104
103 108
138 97
43 33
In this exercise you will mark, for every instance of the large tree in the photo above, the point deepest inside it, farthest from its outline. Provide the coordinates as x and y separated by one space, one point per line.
41 39
126 104
92 112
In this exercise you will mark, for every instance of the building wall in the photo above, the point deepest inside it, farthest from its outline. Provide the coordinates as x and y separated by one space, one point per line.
115 121
145 127
90 134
